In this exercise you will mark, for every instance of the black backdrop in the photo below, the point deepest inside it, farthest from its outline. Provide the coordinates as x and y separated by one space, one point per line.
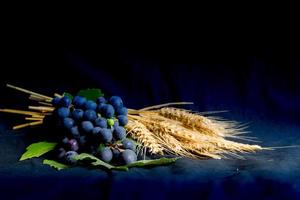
257 82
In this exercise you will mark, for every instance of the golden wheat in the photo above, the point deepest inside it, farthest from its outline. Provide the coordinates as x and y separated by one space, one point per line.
140 133
183 133
194 121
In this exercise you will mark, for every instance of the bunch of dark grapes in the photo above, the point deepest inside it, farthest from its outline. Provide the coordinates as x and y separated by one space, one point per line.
94 127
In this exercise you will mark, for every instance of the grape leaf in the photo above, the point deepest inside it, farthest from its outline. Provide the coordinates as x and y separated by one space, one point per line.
37 149
68 95
141 163
97 162
55 164
91 94
101 147
152 163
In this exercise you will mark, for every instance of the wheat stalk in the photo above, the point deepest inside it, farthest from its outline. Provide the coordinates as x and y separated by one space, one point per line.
139 132
183 133
194 121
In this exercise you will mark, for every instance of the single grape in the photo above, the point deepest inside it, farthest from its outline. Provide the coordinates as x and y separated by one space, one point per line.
101 100
128 144
119 133
121 111
96 130
116 101
108 111
65 101
61 153
65 140
116 123
105 135
79 101
75 132
123 120
90 105
68 122
105 154
128 156
101 122
77 114
87 126
100 107
70 156
55 101
73 145
110 122
63 112
90 115
82 140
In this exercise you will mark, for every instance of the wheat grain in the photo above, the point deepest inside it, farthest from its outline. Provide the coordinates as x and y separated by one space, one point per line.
139 132
206 125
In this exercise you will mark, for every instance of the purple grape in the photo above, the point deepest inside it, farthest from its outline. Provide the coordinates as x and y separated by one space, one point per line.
90 115
77 114
101 122
87 126
121 111
55 101
96 130
128 156
116 101
82 140
90 105
75 132
108 111
106 154
73 145
123 120
129 144
65 140
100 107
101 100
63 112
105 135
119 133
68 122
79 101
65 101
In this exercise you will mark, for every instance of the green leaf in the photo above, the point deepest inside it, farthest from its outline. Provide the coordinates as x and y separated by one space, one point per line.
68 95
91 94
94 161
152 163
101 147
37 149
97 162
54 164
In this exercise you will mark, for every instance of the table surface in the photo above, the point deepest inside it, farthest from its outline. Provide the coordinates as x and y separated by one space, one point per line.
264 175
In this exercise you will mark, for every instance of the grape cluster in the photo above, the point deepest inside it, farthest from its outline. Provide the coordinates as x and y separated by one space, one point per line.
94 127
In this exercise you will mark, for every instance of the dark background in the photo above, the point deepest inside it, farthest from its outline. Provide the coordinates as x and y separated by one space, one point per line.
256 77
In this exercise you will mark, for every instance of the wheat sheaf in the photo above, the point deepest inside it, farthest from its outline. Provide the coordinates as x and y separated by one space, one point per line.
168 130
163 129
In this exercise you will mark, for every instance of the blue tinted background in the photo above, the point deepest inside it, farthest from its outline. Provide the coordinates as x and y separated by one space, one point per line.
259 84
